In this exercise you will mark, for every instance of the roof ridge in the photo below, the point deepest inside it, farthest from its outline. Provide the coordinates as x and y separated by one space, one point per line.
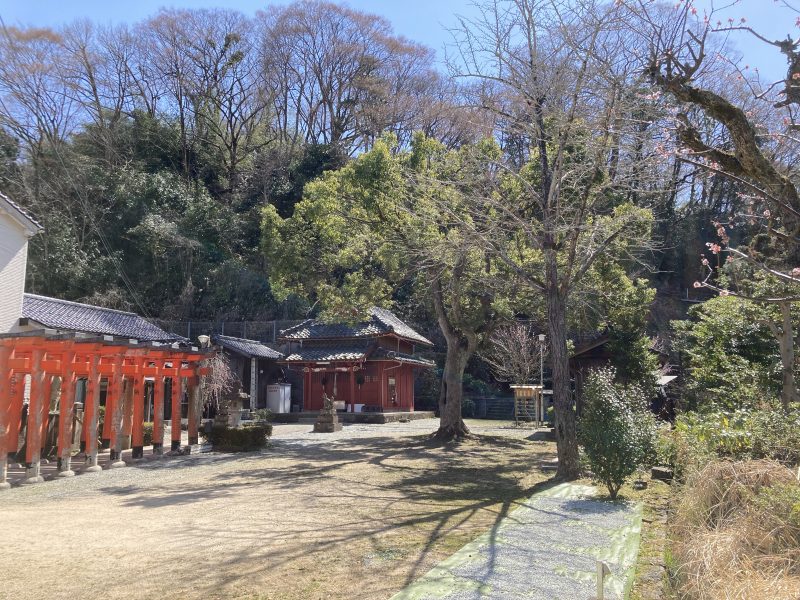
93 306
233 337
21 210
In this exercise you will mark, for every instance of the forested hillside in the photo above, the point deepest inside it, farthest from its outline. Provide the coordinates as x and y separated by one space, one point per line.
148 151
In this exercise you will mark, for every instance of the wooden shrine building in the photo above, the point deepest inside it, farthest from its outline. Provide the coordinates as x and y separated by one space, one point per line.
368 366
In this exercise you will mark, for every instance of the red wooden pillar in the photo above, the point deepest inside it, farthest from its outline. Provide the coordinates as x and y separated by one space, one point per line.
176 411
116 388
384 385
16 399
128 401
352 389
193 389
48 397
307 389
5 414
92 413
137 411
33 443
158 414
65 415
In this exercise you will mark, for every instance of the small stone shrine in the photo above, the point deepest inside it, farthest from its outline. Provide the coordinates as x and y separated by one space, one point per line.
327 421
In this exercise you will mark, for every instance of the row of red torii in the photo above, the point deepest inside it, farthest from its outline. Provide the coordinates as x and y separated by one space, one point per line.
49 358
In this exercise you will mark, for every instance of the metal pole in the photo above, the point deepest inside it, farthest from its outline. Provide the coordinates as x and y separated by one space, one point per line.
540 416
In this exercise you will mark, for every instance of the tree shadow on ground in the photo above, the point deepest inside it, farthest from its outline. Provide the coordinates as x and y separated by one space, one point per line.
418 485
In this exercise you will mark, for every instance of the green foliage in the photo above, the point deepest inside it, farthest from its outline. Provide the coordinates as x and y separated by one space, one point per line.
765 432
616 430
468 408
731 359
263 414
148 434
245 439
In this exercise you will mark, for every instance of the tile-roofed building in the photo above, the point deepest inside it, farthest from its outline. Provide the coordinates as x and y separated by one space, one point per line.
63 315
19 214
247 347
16 228
255 366
367 365
380 322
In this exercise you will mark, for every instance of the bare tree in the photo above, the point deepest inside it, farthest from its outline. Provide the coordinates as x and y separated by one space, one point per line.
552 75
515 353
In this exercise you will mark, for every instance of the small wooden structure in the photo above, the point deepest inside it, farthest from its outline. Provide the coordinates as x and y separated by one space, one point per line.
528 403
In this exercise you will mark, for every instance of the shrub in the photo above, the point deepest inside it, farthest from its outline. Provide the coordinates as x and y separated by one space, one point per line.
245 439
263 414
766 432
616 430
148 434
467 408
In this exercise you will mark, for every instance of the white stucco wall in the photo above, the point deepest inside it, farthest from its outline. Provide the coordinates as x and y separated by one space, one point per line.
13 261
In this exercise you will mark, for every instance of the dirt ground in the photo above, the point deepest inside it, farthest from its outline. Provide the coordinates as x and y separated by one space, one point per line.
359 514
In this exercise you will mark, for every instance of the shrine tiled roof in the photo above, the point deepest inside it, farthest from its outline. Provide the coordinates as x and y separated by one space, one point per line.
381 322
246 347
73 316
329 352
386 354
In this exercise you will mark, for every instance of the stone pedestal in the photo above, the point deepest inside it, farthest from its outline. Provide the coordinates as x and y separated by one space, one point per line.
327 421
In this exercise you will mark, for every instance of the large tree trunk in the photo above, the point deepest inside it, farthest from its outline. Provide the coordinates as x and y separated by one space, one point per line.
564 413
451 425
785 335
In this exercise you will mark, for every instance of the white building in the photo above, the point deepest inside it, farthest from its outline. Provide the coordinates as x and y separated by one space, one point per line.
16 228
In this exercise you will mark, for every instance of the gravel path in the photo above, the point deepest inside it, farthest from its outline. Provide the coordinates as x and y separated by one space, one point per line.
355 515
548 548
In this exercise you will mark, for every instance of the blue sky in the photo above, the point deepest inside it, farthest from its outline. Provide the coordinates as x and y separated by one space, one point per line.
425 21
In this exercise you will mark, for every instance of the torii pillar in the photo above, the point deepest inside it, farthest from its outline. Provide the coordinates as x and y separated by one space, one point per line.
5 414
92 413
66 407
158 414
33 444
116 383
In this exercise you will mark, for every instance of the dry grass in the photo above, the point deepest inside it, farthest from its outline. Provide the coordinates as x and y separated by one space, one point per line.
735 536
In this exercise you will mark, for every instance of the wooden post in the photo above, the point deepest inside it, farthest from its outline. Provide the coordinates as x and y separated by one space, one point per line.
352 389
384 385
92 413
158 415
128 401
176 411
5 414
45 419
306 390
116 418
65 416
16 398
137 412
194 409
33 443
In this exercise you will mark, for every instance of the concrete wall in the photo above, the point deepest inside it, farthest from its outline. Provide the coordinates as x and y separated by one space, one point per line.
13 261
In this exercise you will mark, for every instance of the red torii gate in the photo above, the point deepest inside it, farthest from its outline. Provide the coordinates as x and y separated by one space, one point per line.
47 355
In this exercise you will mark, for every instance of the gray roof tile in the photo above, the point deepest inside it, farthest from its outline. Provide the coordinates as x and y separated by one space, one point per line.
246 347
381 322
386 354
20 213
74 316
329 352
